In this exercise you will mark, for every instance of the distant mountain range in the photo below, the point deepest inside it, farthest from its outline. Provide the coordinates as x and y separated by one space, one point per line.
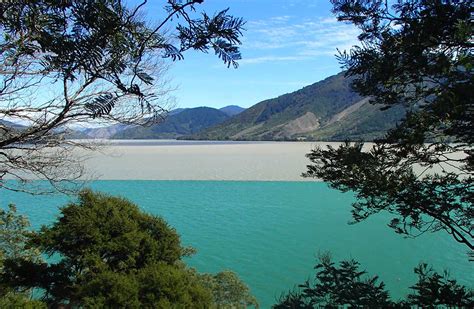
103 132
10 124
179 122
326 111
186 122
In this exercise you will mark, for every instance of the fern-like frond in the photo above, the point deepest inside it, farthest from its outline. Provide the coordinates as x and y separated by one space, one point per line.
227 52
101 105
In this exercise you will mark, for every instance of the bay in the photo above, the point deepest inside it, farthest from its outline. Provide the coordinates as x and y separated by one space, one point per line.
270 232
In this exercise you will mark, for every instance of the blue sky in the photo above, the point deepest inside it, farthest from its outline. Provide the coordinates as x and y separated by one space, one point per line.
287 44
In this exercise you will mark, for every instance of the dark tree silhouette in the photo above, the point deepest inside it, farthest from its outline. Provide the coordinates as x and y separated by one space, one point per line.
418 54
347 285
434 289
335 286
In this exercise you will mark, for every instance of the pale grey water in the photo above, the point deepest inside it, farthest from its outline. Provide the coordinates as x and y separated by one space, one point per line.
202 160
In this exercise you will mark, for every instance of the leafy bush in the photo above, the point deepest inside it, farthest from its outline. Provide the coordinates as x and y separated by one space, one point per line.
346 285
105 252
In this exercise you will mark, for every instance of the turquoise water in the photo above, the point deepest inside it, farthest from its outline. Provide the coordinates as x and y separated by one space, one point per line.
271 232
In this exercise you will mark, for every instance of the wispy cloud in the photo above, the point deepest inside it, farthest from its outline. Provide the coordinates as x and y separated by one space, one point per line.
271 59
286 38
263 82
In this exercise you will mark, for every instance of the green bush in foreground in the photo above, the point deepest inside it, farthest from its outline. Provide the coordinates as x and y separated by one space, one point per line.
105 252
228 291
346 285
14 300
14 234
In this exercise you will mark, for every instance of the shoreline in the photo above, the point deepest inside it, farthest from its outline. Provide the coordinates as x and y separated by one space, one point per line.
151 142
303 180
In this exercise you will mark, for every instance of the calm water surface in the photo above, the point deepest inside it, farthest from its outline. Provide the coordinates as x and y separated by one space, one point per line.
271 232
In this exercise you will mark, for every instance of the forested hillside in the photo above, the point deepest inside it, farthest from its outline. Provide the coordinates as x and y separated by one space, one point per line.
185 122
326 110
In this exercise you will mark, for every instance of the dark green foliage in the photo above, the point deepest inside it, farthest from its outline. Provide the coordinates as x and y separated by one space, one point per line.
108 253
14 233
157 285
335 286
327 110
416 54
17 300
433 289
110 290
228 291
187 121
165 286
346 285
109 233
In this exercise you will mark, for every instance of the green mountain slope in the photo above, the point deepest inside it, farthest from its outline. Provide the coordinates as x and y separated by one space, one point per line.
185 122
326 110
